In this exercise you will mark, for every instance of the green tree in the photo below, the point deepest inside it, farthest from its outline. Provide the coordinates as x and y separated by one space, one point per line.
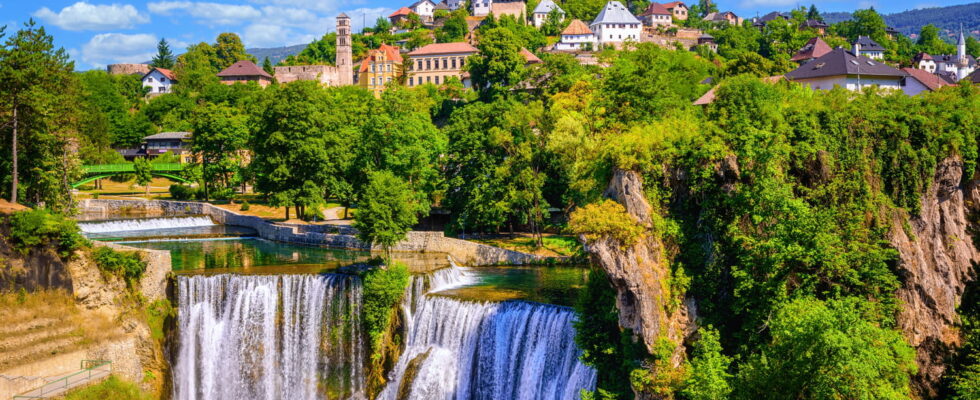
553 24
220 134
144 173
196 68
228 49
38 106
929 41
454 29
973 46
165 57
382 25
813 14
267 66
823 350
499 64
387 211
709 377
419 38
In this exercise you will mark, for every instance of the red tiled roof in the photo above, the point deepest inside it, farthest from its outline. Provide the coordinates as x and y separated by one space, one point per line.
674 4
391 54
656 9
529 57
401 11
815 48
165 72
244 68
929 80
577 27
444 48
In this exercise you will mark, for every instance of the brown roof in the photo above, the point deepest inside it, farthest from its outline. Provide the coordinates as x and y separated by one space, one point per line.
929 80
529 57
577 27
974 77
656 9
391 54
814 48
674 4
165 72
401 11
244 68
444 48
841 62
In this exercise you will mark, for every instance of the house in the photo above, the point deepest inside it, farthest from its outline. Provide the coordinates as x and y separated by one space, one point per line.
679 10
540 14
153 146
576 37
813 49
842 68
424 9
480 8
159 80
516 9
437 62
657 15
766 19
815 24
726 17
529 57
454 4
245 71
892 32
400 16
708 40
869 48
443 6
956 67
920 80
974 77
381 66
615 24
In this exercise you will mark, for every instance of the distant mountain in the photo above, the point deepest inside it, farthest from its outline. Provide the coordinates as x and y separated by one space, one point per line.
275 54
946 18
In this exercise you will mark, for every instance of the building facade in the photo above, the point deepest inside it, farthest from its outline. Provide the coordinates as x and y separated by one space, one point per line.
345 53
657 15
615 25
381 67
245 71
679 10
424 8
576 37
159 80
341 73
437 62
540 14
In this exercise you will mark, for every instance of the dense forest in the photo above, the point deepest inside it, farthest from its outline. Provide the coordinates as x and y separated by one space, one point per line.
948 18
772 206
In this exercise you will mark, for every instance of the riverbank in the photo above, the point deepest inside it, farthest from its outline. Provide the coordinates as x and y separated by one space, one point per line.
337 236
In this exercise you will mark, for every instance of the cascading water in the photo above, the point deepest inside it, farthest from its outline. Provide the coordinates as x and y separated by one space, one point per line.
269 337
144 224
495 351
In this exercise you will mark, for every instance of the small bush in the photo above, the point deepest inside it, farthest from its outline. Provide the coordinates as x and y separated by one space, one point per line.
39 227
383 289
221 193
157 314
608 219
182 192
126 264
111 388
245 206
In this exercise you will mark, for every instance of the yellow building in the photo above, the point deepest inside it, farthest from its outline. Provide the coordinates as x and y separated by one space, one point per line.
381 66
437 62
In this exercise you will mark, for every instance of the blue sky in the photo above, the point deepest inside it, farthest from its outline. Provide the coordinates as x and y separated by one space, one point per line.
100 32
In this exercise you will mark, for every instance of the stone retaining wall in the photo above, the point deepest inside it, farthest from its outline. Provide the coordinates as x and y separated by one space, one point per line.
464 252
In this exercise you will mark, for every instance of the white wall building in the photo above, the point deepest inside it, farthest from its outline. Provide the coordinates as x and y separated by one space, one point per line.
424 8
159 80
576 37
454 4
841 68
615 24
480 7
540 13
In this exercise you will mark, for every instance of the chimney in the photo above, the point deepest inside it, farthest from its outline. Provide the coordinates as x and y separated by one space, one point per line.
857 49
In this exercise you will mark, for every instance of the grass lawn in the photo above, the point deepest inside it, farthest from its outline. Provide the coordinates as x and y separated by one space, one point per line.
113 387
159 190
553 245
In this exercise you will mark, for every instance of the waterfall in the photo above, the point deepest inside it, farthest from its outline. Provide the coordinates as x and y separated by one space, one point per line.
144 224
269 337
435 281
494 351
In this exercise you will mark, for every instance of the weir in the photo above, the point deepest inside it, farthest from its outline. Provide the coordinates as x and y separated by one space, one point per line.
144 224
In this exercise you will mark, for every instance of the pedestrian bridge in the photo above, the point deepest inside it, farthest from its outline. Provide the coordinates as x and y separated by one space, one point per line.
95 172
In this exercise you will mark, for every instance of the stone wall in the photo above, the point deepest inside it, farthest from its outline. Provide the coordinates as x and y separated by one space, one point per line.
128 69
464 252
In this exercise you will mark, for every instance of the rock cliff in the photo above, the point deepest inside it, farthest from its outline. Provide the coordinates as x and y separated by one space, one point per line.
937 253
641 275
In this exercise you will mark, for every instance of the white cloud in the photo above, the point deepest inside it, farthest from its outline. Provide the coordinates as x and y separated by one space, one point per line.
326 6
268 35
110 48
209 13
84 16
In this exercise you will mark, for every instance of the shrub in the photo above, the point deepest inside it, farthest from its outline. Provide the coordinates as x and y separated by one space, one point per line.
125 264
221 193
157 314
39 227
245 206
182 192
111 388
608 219
383 288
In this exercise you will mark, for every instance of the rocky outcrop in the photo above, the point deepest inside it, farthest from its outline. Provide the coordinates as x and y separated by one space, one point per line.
641 275
937 253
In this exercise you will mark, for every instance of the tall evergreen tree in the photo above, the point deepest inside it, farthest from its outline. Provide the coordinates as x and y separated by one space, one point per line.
164 58
267 66
814 14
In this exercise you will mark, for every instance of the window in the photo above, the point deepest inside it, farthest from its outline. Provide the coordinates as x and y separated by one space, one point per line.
411 81
428 64
162 89
454 63
149 79
164 80
372 81
420 65
437 80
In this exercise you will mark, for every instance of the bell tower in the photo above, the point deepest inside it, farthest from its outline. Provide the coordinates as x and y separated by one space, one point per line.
344 52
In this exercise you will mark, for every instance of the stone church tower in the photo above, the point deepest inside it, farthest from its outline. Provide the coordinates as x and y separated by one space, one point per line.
344 53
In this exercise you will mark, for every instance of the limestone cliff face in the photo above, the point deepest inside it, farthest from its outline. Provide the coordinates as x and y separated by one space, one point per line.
936 260
640 275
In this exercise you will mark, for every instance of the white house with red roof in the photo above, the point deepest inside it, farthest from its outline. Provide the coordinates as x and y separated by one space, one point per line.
159 80
576 37
657 15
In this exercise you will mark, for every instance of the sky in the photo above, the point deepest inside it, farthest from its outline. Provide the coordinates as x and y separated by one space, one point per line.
100 32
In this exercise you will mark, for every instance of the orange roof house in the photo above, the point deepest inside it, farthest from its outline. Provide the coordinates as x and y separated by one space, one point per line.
244 71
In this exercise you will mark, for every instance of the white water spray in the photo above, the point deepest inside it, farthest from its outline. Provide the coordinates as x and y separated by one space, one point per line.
144 224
